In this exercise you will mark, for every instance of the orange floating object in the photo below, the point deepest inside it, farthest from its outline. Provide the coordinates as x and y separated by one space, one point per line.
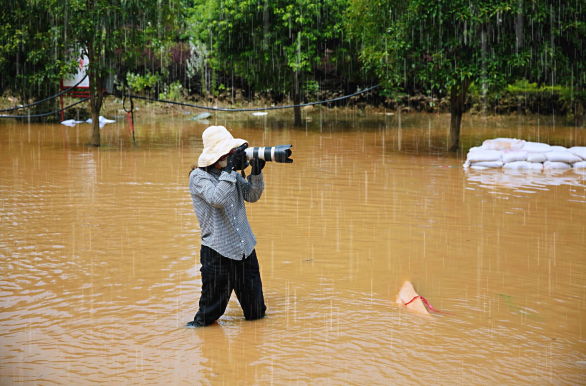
411 300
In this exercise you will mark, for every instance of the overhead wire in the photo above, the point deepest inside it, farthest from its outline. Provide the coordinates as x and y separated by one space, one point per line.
182 104
46 99
257 108
45 114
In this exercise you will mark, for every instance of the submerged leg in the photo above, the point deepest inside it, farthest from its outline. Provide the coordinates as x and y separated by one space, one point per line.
216 287
248 288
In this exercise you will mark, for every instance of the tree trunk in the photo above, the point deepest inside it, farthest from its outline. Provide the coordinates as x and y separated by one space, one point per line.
484 38
457 99
297 110
96 124
579 113
296 100
96 95
519 25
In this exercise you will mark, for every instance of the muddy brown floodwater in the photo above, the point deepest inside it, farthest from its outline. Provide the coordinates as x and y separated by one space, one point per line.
99 254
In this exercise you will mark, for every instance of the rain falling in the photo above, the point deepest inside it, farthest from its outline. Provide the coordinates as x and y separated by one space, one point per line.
430 229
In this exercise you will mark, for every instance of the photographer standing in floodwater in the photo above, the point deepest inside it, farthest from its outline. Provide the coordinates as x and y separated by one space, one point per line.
228 257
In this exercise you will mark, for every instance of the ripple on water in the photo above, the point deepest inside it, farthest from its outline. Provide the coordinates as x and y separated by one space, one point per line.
100 263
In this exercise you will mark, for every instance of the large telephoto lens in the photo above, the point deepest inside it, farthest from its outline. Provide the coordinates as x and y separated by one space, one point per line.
279 153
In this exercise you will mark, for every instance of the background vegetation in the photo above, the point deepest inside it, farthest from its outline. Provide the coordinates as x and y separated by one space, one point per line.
491 56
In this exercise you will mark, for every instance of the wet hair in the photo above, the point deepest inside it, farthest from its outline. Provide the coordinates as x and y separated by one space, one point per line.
205 168
193 167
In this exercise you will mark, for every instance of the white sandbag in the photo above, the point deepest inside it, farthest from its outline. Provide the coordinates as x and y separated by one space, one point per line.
488 164
562 156
514 155
523 165
580 165
503 144
549 166
71 122
536 147
102 121
580 151
503 139
511 140
475 148
558 148
484 156
536 157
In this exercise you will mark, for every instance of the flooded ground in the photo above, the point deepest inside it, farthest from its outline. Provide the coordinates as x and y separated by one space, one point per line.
99 257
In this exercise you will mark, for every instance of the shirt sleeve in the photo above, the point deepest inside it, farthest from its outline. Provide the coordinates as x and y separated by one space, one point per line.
253 188
216 195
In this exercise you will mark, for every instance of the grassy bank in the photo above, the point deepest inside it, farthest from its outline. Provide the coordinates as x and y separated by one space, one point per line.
520 98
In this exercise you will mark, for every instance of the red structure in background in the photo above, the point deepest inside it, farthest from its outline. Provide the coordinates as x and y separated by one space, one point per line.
82 90
78 92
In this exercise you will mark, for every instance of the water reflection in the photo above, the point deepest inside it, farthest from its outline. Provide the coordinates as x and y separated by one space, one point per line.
528 182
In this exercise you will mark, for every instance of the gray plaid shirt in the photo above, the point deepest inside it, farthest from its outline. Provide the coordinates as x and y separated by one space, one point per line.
218 200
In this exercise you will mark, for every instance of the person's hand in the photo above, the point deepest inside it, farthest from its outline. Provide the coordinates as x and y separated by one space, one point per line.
257 166
240 162
229 164
236 160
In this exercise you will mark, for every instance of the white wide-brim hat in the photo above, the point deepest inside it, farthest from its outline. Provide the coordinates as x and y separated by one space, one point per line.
217 142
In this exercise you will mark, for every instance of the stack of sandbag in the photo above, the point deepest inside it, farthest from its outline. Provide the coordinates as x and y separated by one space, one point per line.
530 157
579 151
483 159
517 154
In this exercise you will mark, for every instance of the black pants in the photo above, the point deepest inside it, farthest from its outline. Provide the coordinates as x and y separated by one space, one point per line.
219 276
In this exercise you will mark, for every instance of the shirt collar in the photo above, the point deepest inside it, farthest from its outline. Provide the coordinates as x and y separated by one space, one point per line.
212 169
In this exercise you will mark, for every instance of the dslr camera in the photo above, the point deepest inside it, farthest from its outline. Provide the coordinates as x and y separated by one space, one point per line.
280 153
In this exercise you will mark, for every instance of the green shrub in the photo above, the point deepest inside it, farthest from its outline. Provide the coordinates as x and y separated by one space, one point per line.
140 83
172 92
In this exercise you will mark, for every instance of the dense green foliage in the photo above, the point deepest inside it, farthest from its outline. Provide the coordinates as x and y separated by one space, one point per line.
277 46
31 64
442 46
298 47
556 33
111 33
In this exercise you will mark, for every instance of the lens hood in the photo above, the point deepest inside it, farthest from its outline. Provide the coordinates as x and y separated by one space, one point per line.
280 153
